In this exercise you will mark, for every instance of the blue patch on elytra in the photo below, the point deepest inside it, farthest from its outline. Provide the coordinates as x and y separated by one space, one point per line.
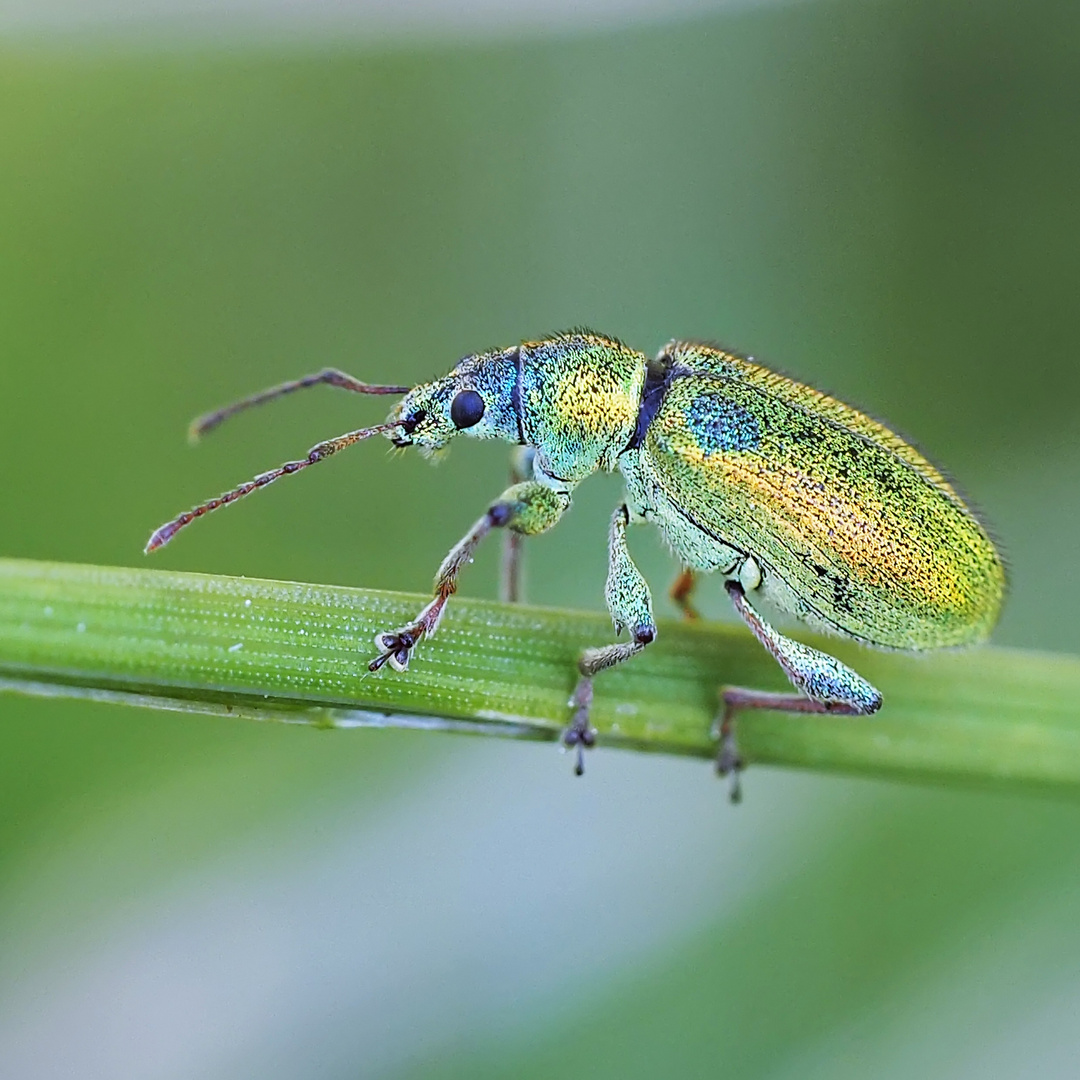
718 424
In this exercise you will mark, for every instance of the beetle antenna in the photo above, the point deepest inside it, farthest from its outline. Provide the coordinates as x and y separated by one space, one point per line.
331 376
316 454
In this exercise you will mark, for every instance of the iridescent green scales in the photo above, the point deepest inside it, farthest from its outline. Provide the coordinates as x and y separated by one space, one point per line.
852 529
789 494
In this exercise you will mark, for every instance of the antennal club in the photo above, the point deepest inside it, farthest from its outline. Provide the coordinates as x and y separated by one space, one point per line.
316 454
330 376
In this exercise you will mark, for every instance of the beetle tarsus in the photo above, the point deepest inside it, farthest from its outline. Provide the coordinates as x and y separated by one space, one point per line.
729 761
579 734
396 646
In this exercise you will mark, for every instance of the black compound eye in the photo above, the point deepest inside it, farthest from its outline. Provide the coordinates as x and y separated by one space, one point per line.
467 409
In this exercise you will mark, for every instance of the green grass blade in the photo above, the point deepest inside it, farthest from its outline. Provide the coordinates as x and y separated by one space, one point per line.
295 652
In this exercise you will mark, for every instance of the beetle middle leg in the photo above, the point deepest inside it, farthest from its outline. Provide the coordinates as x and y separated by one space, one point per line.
527 508
630 604
825 684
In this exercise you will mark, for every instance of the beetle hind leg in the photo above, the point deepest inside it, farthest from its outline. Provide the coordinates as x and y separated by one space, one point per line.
825 684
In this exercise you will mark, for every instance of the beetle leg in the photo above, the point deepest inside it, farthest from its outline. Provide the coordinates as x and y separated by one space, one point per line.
825 685
527 508
681 589
510 569
511 585
630 604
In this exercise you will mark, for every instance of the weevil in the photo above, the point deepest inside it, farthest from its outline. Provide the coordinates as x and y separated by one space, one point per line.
793 497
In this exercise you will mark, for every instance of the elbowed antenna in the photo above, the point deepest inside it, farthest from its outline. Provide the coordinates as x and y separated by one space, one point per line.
316 454
330 376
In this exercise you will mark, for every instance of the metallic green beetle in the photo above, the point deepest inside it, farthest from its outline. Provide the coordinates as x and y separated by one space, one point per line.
789 494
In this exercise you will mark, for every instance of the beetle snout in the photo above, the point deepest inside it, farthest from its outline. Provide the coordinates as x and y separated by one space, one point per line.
408 424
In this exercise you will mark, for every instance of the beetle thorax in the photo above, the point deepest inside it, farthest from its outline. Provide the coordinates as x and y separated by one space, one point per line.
579 399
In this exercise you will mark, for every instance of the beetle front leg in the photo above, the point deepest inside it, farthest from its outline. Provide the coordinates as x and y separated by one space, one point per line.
826 685
527 508
630 604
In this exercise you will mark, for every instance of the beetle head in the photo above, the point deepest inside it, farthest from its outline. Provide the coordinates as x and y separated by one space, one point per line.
477 398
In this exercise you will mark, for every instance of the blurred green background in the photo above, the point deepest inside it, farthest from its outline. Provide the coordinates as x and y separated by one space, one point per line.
880 198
